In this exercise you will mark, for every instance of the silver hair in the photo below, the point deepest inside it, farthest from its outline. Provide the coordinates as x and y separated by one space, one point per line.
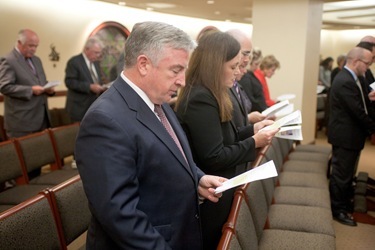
151 38
92 41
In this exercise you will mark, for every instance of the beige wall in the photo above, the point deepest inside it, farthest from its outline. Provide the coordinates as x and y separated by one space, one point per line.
66 24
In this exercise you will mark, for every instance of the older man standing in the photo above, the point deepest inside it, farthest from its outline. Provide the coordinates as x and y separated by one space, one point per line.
21 82
134 159
349 126
83 79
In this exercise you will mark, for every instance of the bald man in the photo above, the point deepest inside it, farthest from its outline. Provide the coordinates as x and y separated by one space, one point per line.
348 128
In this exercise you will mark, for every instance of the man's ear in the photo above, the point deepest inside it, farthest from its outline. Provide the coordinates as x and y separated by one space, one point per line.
143 64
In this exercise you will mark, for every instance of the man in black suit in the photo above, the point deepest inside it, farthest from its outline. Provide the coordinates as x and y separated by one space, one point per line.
83 79
349 127
140 179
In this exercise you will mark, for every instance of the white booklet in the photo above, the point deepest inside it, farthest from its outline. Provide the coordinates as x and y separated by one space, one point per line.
291 119
372 85
275 108
264 171
51 84
290 133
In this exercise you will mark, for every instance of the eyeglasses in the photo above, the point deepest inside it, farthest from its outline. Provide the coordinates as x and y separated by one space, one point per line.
246 52
367 63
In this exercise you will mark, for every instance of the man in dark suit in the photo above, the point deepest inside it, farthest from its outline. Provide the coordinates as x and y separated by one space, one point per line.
21 82
83 79
349 126
135 163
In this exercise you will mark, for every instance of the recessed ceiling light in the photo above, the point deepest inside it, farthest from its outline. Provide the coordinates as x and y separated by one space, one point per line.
122 3
149 9
217 12
210 2
161 5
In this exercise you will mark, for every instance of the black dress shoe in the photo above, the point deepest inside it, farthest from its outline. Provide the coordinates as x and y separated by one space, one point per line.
345 219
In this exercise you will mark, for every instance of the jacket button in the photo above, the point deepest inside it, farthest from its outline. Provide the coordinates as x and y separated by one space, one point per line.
197 216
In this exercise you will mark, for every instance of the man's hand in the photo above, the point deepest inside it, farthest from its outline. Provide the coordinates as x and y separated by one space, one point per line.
207 185
37 90
96 88
50 91
264 137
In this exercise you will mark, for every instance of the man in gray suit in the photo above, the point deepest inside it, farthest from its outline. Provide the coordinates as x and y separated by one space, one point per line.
21 82
83 79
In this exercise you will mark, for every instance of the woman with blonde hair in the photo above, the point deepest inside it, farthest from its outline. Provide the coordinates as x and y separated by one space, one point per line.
266 70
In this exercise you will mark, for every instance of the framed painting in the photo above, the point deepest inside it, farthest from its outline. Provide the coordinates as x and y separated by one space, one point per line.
113 36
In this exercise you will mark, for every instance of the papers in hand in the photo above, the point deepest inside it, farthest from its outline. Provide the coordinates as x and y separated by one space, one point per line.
51 84
275 108
267 170
287 131
319 89
372 85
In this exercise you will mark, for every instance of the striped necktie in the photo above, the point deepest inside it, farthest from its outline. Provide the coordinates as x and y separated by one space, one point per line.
163 119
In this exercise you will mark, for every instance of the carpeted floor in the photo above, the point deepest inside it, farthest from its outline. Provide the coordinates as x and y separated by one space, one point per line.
363 236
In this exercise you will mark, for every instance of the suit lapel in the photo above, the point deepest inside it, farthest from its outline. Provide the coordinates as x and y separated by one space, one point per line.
149 120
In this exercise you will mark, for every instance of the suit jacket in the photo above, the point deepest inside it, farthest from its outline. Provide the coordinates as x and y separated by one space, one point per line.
78 80
217 146
142 193
349 125
253 89
24 112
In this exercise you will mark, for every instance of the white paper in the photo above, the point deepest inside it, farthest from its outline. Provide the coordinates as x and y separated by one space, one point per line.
51 84
286 97
319 89
372 85
290 133
285 111
264 171
291 119
275 108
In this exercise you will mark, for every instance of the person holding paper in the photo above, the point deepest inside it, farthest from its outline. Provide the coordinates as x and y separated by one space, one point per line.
22 79
349 126
83 79
205 111
267 69
133 157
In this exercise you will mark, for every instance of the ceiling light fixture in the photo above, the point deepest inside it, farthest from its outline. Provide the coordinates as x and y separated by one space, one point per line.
210 2
121 3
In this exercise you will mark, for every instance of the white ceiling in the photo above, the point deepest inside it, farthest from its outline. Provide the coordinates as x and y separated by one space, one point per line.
359 14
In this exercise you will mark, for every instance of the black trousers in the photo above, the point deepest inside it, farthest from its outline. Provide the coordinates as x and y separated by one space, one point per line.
344 165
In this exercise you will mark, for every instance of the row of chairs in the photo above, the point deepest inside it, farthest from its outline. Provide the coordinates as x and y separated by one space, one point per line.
51 219
290 211
21 156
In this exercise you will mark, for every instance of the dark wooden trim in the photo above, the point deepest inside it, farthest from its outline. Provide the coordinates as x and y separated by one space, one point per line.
104 25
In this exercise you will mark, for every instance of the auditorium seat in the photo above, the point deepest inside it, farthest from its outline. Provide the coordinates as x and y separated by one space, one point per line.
70 204
37 151
11 169
64 139
29 225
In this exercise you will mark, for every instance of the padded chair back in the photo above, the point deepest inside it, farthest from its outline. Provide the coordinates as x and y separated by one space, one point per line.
285 146
29 225
70 202
10 166
64 139
3 135
36 150
257 203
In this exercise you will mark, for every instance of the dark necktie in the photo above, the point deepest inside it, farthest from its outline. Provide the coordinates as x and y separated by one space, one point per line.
235 85
363 98
31 65
163 119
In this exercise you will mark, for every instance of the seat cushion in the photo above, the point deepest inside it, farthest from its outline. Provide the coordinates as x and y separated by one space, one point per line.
273 239
303 180
55 177
18 194
305 166
301 219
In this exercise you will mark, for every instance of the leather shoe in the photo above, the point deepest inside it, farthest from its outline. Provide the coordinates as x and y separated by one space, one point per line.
345 219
